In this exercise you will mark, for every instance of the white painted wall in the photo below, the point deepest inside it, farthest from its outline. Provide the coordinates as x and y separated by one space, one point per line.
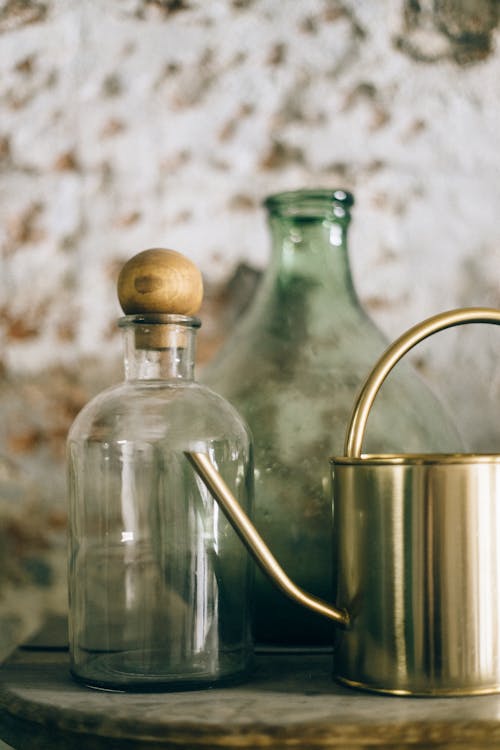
126 124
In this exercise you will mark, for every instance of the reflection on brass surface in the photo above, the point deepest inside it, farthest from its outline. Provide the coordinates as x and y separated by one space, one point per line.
418 569
427 693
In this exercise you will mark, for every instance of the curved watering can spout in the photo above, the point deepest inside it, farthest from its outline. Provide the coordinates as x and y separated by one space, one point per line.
253 541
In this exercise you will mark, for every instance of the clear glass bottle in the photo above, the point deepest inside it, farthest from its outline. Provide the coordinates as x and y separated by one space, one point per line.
292 368
159 583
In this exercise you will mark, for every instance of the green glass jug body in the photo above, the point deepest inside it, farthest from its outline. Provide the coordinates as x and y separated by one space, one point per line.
292 368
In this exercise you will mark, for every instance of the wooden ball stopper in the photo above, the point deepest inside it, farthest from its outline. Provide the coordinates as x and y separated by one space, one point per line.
160 281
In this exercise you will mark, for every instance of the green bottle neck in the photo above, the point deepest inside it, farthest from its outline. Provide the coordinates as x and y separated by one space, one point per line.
308 280
313 250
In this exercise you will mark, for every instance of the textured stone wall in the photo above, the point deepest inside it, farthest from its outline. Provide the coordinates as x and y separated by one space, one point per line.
126 124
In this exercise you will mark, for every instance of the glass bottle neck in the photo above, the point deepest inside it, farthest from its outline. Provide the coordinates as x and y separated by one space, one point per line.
313 249
159 347
308 280
309 236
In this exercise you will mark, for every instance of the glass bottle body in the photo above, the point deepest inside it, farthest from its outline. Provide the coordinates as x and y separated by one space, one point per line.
293 368
159 583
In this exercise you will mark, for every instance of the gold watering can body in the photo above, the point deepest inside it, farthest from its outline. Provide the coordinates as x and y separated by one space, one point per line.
417 554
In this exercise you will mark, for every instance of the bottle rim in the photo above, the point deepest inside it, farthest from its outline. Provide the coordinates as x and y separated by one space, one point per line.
187 321
310 202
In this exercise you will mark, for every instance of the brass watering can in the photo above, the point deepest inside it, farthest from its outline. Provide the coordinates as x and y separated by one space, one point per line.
417 554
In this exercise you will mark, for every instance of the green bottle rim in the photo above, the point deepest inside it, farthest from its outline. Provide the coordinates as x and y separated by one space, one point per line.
310 202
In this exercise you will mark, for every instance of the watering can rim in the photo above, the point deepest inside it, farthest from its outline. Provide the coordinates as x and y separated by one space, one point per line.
416 459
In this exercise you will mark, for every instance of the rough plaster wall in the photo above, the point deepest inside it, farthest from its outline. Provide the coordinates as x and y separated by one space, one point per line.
131 123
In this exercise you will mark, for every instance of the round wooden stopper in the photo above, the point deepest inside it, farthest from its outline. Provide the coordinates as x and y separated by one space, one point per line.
160 281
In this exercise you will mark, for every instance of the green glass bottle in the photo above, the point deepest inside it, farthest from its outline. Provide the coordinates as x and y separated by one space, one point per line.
292 368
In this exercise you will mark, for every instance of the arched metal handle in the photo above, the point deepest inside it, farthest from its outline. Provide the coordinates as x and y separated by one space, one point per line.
357 426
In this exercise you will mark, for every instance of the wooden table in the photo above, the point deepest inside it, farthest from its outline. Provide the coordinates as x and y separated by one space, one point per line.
289 702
